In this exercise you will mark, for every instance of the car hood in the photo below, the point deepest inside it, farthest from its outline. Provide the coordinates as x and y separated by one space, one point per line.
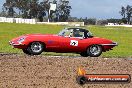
33 35
41 35
102 40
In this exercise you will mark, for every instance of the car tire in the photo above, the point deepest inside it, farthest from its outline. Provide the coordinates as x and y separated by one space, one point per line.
94 50
26 51
81 80
84 54
35 48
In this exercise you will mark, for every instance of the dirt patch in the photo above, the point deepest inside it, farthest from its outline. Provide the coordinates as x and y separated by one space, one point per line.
21 71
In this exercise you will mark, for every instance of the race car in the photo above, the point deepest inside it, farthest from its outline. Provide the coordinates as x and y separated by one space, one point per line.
69 40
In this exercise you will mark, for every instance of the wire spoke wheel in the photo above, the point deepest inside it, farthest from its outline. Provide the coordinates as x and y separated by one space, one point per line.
36 47
95 50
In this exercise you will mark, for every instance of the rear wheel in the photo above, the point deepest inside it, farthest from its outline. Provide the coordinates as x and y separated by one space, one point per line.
94 51
35 48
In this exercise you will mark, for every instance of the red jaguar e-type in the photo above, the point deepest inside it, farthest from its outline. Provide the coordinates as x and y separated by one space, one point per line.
69 40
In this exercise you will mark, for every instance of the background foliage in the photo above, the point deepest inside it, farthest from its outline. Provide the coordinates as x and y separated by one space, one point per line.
37 9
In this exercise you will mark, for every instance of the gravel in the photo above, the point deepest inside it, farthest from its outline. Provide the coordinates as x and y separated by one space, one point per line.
22 71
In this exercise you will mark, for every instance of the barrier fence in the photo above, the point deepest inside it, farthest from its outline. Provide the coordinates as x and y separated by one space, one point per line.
17 20
115 24
34 21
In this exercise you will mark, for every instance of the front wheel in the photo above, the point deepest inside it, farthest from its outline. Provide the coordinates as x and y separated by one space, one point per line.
94 50
35 48
26 51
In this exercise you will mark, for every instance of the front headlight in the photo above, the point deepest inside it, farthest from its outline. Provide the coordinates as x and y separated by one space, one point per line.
21 40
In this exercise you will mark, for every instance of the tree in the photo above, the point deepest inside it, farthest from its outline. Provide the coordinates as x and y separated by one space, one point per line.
129 13
91 21
9 6
123 12
102 22
36 9
43 9
28 8
126 12
63 10
113 20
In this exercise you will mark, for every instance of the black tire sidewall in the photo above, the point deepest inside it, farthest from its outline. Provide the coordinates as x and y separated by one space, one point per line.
92 55
35 53
26 51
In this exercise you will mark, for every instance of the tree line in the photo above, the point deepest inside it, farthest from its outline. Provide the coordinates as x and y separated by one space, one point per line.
40 10
126 13
94 21
37 9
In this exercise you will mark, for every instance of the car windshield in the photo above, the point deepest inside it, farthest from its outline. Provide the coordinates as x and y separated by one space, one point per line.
89 34
63 32
69 33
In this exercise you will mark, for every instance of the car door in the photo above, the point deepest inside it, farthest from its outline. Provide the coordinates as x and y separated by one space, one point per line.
72 44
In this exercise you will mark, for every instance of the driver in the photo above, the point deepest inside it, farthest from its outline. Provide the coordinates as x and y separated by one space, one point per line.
76 33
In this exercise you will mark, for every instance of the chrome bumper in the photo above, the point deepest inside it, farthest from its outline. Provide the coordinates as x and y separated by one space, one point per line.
13 44
113 44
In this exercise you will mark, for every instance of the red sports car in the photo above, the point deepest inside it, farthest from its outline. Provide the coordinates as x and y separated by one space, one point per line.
69 40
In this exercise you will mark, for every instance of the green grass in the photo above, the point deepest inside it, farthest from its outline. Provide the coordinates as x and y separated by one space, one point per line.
9 31
121 35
